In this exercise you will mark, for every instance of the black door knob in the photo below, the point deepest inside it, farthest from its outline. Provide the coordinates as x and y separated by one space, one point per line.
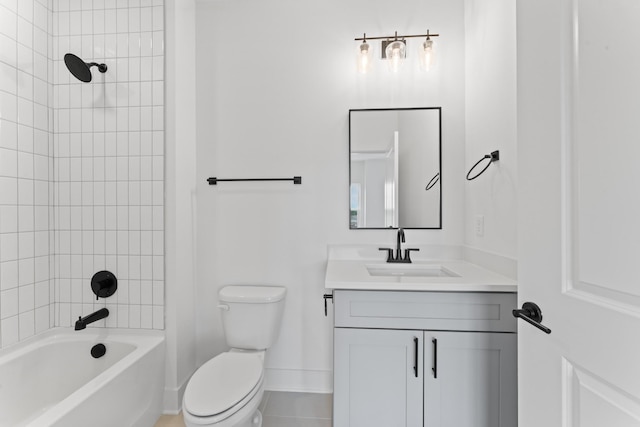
531 313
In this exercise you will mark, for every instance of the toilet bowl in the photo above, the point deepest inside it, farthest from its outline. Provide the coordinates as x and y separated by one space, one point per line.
227 390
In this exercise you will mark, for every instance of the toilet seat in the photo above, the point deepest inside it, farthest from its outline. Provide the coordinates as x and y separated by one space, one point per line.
223 385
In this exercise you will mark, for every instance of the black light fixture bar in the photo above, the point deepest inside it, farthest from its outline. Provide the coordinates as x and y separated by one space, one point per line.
396 36
214 180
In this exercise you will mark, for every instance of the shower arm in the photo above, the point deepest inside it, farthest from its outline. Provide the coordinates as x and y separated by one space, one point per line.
101 67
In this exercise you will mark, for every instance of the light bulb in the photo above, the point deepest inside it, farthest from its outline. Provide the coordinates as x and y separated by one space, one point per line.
364 57
395 54
426 55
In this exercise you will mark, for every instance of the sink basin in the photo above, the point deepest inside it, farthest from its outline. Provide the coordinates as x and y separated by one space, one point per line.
410 270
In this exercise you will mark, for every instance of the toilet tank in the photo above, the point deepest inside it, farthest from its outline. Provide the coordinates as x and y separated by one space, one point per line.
251 315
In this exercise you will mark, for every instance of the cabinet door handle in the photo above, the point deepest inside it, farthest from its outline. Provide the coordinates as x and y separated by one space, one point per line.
434 368
415 352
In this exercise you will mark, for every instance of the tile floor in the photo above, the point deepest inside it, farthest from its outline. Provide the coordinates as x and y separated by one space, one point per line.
280 409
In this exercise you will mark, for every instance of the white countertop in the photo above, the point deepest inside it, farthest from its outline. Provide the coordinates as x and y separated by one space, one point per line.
353 274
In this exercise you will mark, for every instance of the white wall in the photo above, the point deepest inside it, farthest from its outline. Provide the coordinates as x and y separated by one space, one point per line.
490 116
180 201
275 81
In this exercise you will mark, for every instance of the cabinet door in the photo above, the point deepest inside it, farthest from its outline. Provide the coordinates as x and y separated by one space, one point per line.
378 378
470 379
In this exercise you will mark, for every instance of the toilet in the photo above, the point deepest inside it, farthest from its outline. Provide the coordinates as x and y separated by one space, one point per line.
226 391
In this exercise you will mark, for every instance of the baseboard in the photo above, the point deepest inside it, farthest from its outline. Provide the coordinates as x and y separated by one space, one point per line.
173 399
308 381
500 264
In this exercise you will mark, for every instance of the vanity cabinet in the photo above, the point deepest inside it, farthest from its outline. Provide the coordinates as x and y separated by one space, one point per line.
435 359
374 379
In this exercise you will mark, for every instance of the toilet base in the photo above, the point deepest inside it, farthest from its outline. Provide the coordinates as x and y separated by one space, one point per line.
254 421
248 416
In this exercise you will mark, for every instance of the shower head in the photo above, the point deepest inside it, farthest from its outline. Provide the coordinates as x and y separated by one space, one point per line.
80 69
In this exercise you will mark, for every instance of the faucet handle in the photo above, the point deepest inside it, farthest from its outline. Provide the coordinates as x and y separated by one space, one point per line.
407 254
389 253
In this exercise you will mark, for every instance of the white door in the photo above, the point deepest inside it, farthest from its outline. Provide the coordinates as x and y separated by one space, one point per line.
579 211
378 378
396 179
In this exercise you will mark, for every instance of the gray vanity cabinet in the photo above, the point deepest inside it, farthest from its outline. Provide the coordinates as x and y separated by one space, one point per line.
474 383
374 379
434 359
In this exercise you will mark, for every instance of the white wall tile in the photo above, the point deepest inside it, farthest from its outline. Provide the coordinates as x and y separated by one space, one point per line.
40 65
25 10
8 130
105 137
98 21
25 32
26 272
26 215
25 112
158 18
42 315
26 298
41 16
9 331
8 275
8 191
146 19
26 324
146 43
40 41
9 81
110 21
8 162
9 303
8 50
8 18
122 20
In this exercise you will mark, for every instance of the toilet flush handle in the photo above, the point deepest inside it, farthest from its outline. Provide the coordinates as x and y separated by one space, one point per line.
224 307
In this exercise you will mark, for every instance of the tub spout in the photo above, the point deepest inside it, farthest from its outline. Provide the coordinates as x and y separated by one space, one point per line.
82 322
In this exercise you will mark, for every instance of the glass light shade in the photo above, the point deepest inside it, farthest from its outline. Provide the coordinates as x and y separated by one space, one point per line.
395 53
365 57
426 55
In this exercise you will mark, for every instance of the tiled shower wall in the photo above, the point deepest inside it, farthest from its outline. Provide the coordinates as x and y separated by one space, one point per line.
108 149
81 164
26 169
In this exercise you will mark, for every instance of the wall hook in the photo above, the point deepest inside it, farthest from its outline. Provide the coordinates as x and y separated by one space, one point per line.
494 156
433 182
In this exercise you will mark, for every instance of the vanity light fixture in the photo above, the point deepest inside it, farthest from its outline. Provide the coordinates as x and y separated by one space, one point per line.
365 55
394 51
426 54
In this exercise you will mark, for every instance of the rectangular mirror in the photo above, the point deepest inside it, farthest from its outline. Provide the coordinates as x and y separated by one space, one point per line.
394 168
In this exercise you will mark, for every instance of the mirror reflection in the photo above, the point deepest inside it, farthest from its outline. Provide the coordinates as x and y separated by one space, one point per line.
394 156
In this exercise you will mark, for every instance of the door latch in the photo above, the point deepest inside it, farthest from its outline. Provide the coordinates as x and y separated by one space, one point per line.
531 313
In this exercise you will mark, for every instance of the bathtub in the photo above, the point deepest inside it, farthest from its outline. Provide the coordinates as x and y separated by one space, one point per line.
53 380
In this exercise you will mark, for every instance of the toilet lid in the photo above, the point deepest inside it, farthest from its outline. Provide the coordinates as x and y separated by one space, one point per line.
222 382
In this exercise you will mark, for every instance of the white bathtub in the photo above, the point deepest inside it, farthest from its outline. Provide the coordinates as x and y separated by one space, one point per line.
52 379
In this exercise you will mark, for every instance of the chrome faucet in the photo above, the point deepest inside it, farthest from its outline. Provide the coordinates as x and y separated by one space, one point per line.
82 322
398 257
